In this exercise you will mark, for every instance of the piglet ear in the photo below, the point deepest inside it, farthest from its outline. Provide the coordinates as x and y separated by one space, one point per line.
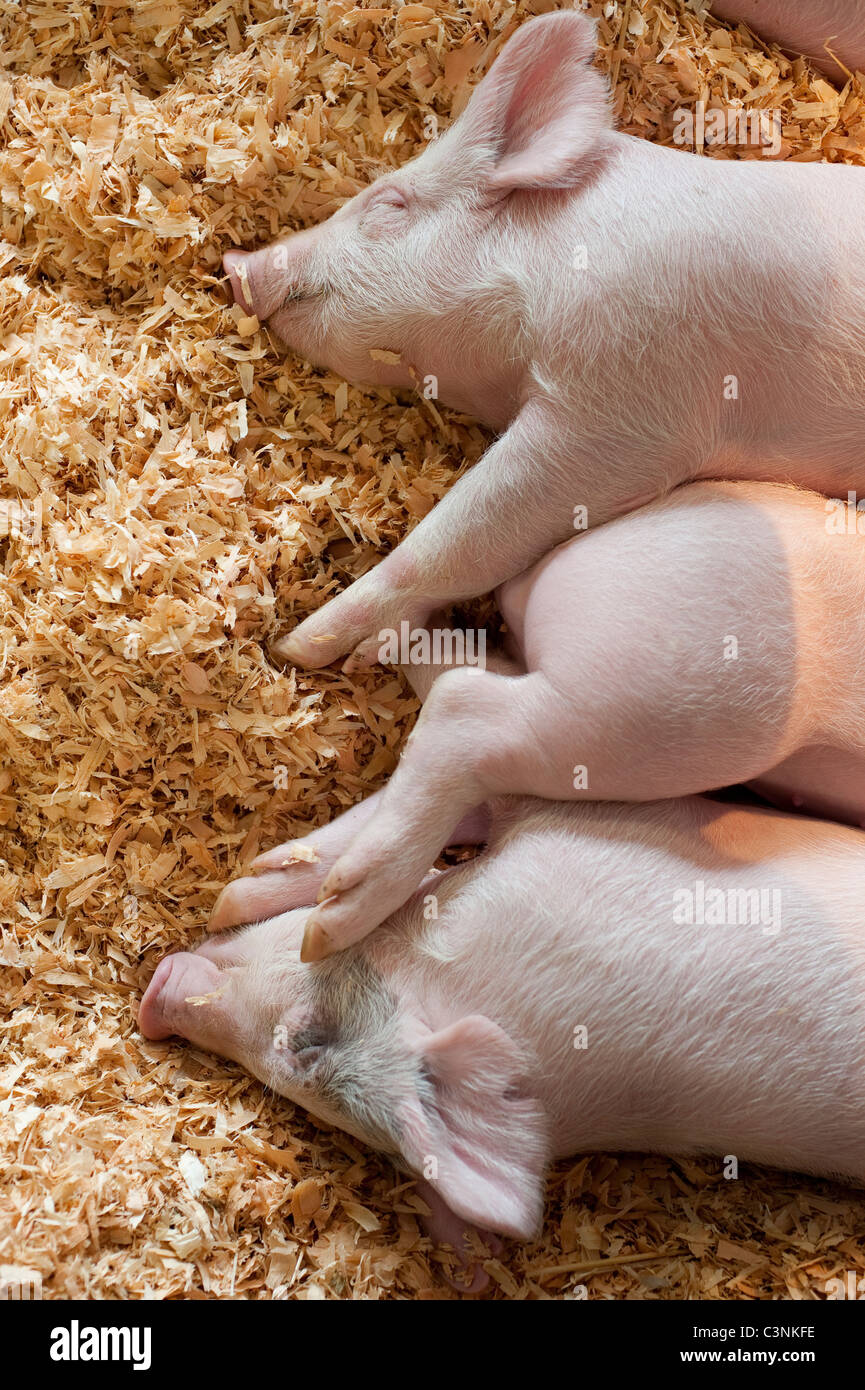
542 106
480 1138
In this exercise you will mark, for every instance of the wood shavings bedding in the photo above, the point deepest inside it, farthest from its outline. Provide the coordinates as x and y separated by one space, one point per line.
174 488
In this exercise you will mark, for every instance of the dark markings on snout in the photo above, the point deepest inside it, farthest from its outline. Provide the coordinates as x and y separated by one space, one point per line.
358 1062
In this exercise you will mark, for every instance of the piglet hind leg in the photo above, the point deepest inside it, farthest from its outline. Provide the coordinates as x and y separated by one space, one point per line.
289 875
476 738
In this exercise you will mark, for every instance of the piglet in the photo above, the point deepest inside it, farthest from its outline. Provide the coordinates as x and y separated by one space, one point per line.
626 315
685 977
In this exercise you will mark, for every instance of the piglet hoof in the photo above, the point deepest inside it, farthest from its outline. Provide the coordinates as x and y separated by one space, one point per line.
316 944
361 890
468 1278
309 650
363 658
341 877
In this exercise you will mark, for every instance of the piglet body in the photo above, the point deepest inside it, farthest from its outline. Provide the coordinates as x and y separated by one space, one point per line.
684 977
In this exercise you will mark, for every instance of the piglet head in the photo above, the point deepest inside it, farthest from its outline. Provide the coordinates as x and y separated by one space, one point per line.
247 996
350 1045
408 274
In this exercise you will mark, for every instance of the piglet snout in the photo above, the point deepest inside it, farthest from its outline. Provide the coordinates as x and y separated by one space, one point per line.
180 996
260 281
265 280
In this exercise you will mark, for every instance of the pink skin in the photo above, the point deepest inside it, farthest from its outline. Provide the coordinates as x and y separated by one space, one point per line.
815 28
612 307
636 656
452 1041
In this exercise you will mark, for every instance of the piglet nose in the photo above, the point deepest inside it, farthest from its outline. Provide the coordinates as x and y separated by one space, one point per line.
181 997
151 1011
262 280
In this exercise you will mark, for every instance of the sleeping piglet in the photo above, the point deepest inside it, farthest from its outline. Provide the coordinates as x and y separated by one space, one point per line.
683 977
626 315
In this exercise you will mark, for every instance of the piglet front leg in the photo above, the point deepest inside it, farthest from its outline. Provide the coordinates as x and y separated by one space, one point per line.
291 874
514 505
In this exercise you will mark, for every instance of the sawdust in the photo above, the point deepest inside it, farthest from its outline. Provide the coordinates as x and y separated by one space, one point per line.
175 490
